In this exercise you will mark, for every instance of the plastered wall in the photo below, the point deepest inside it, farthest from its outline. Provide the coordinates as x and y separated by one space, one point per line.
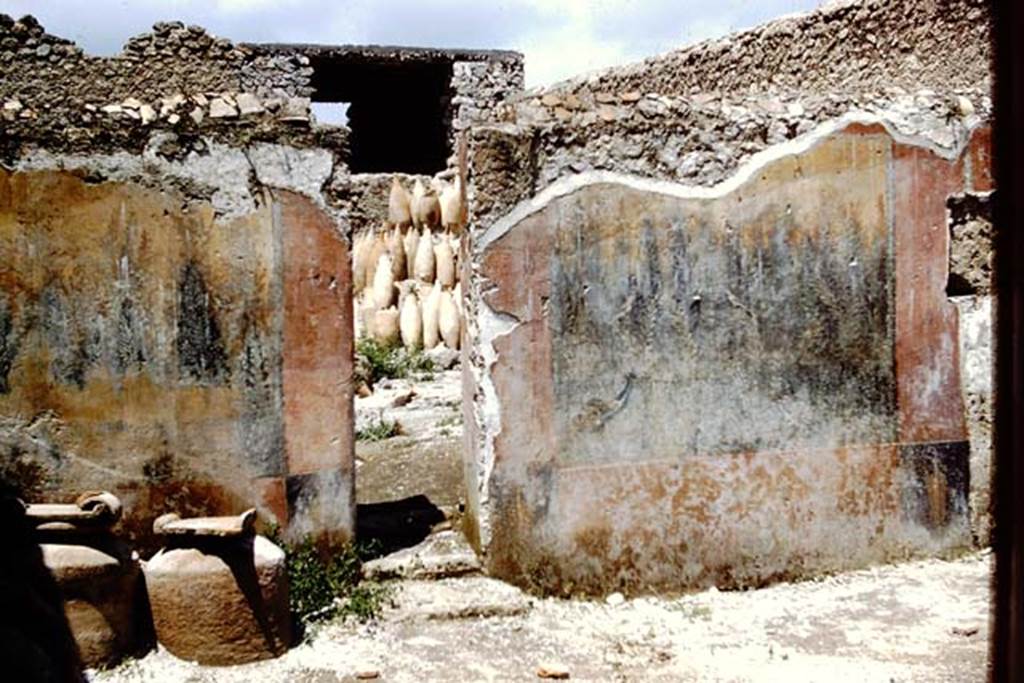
728 385
186 362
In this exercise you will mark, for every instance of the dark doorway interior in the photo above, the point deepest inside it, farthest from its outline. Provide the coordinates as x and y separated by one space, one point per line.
396 524
398 110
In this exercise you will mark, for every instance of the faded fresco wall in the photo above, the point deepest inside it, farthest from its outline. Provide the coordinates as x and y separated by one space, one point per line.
724 316
709 335
728 385
185 362
161 313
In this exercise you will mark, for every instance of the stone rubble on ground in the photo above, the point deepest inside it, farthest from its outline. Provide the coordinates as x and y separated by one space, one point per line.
615 599
443 554
552 670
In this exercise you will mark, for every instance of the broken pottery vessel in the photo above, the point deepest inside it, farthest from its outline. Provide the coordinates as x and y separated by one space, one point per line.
99 577
219 592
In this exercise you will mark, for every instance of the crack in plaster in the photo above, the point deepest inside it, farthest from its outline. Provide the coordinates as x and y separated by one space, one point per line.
492 325
932 139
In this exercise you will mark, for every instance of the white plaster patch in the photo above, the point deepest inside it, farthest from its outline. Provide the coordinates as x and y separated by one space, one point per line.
300 170
225 170
975 343
222 168
491 325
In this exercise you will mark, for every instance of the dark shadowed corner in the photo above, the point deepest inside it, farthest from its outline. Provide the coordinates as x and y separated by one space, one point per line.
36 644
1008 629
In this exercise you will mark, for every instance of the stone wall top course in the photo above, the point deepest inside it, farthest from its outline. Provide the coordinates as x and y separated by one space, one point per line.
851 47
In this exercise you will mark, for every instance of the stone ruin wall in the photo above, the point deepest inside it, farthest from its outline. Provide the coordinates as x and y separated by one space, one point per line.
847 46
680 140
214 141
175 307
161 206
694 115
115 103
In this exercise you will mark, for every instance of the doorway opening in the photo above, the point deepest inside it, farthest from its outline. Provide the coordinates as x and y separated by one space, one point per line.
396 110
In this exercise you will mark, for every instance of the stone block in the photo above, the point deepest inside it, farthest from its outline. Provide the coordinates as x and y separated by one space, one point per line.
104 598
221 109
248 104
221 602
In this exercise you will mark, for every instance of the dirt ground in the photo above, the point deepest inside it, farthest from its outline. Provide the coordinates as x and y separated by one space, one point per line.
426 458
920 621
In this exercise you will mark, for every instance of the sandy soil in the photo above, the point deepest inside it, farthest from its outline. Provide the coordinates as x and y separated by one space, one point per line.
920 621
426 459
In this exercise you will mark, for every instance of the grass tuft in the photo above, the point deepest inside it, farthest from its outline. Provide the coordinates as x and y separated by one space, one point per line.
376 361
320 589
378 430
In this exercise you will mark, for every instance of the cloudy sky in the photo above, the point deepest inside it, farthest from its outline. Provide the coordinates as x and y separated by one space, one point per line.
560 38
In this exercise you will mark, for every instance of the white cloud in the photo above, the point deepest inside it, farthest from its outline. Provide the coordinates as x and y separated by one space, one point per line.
556 56
243 5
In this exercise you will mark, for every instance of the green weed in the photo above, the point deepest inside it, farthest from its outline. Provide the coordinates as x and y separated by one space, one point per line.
321 589
379 430
376 361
